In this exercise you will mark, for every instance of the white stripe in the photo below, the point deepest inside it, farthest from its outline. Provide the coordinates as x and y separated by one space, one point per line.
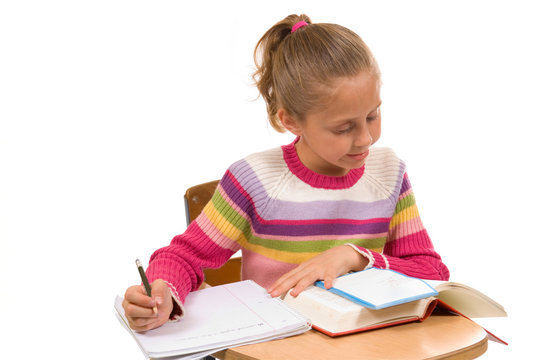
385 261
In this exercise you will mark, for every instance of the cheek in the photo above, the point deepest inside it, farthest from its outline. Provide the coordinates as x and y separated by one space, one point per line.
375 131
340 147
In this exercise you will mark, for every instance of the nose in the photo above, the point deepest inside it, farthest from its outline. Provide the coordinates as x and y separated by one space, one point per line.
363 138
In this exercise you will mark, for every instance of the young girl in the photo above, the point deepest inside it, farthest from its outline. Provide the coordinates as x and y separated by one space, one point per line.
324 205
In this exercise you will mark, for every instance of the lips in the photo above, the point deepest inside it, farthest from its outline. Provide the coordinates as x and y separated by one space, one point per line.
360 156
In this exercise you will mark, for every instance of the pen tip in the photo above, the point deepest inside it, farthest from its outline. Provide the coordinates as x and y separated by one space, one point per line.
138 263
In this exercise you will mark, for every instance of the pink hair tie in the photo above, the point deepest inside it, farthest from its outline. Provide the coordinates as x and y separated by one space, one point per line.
298 25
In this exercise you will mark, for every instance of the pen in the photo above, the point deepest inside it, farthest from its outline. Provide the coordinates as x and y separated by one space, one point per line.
145 282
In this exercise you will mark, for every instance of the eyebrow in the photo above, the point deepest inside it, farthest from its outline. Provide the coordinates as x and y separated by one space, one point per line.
348 121
376 108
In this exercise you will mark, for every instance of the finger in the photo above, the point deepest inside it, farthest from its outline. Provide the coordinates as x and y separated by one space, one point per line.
159 292
302 285
135 311
141 325
300 279
284 284
328 281
282 279
137 295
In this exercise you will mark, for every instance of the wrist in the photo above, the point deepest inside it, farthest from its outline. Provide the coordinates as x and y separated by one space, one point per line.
359 259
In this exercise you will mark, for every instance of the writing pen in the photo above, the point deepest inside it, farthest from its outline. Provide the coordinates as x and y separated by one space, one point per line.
145 282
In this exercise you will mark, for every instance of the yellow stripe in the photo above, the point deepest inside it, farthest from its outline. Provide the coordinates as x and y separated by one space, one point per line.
405 215
285 256
279 255
222 224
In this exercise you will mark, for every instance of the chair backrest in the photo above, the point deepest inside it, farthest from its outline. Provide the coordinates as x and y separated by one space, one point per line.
195 199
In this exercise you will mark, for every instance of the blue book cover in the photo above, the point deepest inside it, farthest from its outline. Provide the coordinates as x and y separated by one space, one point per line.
380 288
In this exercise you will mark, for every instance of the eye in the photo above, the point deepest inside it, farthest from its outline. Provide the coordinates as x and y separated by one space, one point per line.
345 130
374 115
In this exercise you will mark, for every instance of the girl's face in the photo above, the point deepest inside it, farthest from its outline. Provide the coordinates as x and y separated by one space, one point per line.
337 138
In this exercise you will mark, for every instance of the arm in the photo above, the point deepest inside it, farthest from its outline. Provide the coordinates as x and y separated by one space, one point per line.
175 270
180 264
208 242
408 247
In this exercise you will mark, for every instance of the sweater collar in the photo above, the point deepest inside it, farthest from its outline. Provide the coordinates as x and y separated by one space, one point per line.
318 180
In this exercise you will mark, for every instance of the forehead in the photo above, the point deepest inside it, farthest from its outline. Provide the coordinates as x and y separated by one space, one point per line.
351 97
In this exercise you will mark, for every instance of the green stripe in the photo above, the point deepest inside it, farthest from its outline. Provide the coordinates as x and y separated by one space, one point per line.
229 213
314 245
404 203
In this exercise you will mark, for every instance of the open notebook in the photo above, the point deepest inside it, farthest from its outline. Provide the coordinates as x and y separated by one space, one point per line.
217 318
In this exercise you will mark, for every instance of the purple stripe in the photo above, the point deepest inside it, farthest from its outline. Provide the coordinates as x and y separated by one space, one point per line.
235 195
280 209
405 186
320 229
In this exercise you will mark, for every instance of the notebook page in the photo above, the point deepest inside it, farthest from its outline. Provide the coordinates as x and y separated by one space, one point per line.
218 317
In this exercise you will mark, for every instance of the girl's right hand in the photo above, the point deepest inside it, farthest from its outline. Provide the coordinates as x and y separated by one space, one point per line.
138 307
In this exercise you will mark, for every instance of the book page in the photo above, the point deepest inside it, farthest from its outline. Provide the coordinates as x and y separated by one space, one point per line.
327 299
467 300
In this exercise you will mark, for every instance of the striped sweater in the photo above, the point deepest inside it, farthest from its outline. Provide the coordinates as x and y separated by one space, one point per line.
280 213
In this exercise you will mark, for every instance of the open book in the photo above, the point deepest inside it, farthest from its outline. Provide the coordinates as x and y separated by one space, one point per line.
217 318
337 315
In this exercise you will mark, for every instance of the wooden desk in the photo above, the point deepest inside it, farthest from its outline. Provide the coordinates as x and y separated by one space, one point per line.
441 336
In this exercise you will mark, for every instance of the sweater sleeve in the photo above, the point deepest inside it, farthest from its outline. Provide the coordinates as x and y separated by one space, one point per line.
408 248
208 242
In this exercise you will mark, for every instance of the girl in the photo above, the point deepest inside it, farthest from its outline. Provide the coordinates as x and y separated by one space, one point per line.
324 205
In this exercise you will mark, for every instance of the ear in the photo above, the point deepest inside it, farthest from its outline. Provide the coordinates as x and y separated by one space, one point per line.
289 122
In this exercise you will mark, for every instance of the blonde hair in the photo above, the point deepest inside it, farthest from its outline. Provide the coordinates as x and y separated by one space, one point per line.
294 70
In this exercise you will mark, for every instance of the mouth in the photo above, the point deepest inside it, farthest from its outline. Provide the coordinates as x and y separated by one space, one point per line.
360 156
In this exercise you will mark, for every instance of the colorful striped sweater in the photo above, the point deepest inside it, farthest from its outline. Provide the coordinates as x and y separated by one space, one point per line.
280 213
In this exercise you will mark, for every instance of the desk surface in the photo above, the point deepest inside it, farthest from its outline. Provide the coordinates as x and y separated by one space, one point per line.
441 336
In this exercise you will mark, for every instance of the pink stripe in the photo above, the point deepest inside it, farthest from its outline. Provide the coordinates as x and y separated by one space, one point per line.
320 237
407 228
324 221
214 235
405 194
253 263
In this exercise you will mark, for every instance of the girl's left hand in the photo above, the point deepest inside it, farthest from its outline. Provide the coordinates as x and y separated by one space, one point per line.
325 266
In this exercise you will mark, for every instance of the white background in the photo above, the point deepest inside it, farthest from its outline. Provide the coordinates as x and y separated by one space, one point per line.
109 110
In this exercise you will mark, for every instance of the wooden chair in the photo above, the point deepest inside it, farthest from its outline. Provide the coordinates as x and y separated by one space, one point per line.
195 199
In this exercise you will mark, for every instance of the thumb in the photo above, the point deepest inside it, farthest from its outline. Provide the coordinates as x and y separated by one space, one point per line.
159 291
